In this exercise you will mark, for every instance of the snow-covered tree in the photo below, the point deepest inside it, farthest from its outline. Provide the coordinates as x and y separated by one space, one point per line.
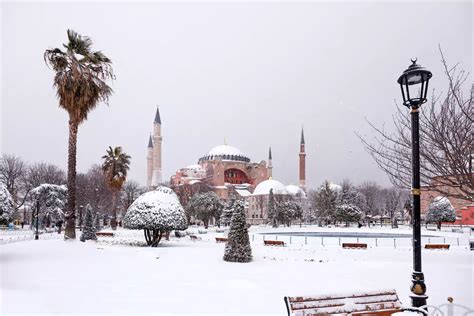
226 216
97 222
52 201
88 231
238 247
6 205
272 210
288 211
347 213
440 210
156 212
204 206
326 200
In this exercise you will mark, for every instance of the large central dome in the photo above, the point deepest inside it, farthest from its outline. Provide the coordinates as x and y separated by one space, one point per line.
225 152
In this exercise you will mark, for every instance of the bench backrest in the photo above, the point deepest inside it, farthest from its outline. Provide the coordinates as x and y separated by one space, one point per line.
358 303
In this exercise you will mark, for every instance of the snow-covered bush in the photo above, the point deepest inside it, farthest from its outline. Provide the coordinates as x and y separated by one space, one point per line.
238 247
156 212
6 205
347 213
204 206
52 200
440 210
88 231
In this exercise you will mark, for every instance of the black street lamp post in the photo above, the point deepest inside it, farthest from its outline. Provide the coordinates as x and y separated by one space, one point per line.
37 220
414 85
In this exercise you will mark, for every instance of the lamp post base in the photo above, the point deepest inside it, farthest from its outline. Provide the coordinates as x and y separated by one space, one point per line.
36 237
418 288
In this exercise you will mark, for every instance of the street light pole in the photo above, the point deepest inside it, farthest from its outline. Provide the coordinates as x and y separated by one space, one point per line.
413 97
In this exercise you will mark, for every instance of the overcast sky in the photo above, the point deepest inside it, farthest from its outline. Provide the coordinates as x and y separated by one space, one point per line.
253 74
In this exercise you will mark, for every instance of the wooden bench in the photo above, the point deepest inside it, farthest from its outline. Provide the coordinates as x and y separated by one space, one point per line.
104 234
384 302
273 243
348 245
221 239
437 246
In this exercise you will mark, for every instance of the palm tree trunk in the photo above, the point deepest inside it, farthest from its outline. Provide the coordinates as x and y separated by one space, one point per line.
70 230
113 222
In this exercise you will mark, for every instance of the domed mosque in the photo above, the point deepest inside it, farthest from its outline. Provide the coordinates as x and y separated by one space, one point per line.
227 170
230 173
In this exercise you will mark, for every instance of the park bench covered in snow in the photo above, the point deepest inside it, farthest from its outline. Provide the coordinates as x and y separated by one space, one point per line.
104 234
273 243
348 245
437 246
221 239
382 303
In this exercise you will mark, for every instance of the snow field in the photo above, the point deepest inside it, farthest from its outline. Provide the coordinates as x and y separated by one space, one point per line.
183 276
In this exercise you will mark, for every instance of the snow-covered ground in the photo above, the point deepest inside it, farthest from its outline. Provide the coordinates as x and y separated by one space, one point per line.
119 275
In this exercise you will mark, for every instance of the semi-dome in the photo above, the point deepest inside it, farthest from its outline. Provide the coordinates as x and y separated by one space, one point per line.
295 190
264 187
225 152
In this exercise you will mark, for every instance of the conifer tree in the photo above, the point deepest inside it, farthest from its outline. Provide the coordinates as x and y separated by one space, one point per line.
88 232
97 222
272 210
238 247
441 210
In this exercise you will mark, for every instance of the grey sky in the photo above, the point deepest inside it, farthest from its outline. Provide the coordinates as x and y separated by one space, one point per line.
250 73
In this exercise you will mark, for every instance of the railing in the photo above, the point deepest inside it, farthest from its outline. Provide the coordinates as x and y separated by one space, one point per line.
16 236
400 242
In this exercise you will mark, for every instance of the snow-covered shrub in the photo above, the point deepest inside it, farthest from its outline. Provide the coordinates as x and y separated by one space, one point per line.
6 205
238 247
52 200
205 206
440 210
88 231
156 212
347 213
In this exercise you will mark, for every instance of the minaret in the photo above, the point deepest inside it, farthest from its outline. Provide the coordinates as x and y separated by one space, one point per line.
157 139
302 162
270 166
149 162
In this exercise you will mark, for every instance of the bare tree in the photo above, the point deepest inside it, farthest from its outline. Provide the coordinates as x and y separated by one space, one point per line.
371 192
42 172
446 141
12 171
130 191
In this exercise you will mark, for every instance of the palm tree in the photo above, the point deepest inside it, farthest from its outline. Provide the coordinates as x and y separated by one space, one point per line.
81 82
115 167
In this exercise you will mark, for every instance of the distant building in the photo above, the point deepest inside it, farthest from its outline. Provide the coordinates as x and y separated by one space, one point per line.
228 172
428 193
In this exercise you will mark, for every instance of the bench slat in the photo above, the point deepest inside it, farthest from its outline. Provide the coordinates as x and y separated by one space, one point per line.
335 296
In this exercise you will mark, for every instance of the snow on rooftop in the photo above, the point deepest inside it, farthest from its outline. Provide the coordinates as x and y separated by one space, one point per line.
225 150
295 190
263 188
